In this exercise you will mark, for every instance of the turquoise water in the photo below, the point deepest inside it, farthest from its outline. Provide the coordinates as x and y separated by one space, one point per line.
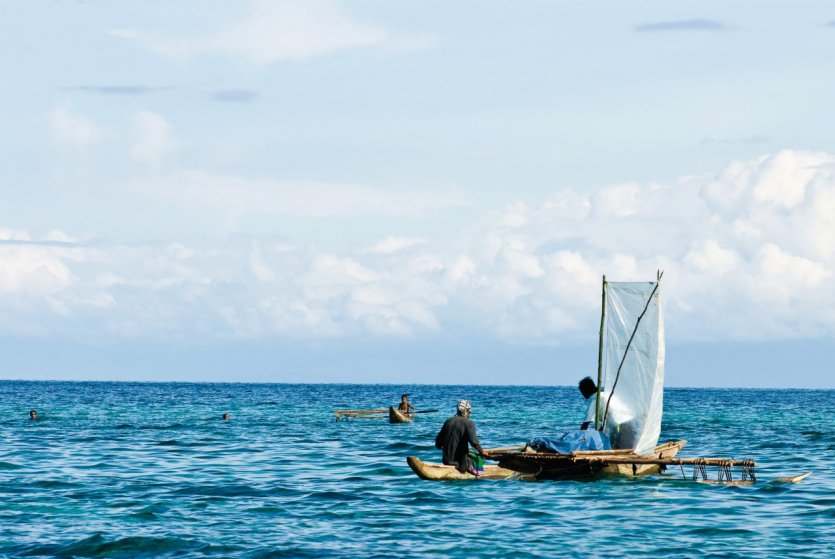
147 469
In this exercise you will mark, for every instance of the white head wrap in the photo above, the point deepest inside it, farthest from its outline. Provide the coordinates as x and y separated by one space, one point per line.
464 406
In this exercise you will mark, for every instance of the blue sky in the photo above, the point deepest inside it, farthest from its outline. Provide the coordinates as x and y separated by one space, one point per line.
407 192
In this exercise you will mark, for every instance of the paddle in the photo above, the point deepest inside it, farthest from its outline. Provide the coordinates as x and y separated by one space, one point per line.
426 411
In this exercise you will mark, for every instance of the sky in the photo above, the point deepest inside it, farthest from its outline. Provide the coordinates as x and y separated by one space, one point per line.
413 192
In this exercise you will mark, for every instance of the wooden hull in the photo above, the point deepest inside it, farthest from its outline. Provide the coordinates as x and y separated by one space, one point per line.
666 450
588 464
441 472
396 417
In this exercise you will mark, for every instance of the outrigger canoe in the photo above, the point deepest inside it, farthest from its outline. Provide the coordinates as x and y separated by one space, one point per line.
552 465
631 367
396 416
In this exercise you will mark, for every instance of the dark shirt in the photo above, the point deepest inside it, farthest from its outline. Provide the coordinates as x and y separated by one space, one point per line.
457 433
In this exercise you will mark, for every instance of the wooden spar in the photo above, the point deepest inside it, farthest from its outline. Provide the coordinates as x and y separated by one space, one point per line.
610 457
505 448
345 412
368 414
589 453
670 461
660 451
358 414
600 359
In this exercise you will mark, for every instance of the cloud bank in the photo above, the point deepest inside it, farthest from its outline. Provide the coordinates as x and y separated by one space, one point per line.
748 254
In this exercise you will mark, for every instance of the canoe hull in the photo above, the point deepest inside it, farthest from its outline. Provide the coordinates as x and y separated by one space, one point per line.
441 472
396 417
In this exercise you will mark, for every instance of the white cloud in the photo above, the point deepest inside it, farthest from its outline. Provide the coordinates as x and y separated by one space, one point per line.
462 269
784 177
71 127
260 269
7 234
392 244
618 200
711 259
271 31
154 139
30 270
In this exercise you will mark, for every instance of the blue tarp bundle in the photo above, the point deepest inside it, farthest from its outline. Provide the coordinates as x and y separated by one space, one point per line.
571 441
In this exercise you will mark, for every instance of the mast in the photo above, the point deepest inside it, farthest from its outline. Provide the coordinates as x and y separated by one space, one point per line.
600 359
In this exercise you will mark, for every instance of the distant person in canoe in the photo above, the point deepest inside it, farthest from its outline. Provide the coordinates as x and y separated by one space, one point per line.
406 407
455 439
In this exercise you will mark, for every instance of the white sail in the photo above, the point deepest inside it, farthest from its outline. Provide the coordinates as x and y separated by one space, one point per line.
632 365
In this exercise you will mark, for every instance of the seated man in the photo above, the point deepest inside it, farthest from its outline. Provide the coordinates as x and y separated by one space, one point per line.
455 438
406 407
619 422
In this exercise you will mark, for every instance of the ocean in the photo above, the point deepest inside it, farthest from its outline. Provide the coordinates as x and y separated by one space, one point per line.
152 470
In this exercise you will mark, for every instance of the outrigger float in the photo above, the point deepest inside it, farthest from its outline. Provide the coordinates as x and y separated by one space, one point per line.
393 414
631 363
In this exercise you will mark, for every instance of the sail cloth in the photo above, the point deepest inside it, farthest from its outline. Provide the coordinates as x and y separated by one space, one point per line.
632 382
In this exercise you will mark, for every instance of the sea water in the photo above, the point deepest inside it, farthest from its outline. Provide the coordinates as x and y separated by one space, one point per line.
152 470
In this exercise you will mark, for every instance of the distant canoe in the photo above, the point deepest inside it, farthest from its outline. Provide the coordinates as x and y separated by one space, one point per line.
442 472
395 416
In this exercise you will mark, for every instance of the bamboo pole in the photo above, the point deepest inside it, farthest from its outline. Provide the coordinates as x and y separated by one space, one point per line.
505 448
600 359
618 451
670 461
609 457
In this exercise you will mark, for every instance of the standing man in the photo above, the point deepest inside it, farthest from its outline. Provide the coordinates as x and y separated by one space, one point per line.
455 438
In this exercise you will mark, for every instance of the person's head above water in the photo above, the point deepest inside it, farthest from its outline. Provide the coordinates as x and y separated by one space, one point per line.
226 417
33 414
463 408
587 388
